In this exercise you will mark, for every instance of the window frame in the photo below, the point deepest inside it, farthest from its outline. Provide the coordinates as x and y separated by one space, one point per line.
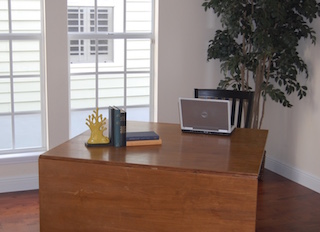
12 36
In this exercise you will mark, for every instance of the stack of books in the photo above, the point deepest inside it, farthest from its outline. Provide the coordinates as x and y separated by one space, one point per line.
118 135
143 138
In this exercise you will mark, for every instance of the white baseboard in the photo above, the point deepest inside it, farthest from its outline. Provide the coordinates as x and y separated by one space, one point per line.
15 184
19 181
294 174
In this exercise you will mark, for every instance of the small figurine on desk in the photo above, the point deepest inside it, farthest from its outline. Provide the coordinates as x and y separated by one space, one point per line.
97 126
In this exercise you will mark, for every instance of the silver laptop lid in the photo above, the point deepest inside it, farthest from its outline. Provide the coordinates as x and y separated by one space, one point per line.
205 115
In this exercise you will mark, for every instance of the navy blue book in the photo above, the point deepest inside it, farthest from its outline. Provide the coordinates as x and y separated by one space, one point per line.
142 135
116 127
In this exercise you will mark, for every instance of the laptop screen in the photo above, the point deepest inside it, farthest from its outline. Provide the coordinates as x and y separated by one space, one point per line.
205 114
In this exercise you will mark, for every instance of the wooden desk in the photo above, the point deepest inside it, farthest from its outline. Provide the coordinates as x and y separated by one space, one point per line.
192 182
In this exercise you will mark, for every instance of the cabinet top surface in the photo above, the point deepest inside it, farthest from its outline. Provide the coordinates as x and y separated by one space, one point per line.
239 153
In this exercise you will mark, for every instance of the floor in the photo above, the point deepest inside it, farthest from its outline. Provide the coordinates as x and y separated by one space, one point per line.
282 206
286 206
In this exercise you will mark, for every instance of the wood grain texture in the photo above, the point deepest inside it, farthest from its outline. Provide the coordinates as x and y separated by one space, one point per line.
240 153
79 196
19 212
192 182
283 206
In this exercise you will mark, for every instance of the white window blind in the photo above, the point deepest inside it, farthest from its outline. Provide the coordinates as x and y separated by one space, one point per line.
21 77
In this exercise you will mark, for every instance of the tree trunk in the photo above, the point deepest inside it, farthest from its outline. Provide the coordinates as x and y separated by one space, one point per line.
255 109
257 93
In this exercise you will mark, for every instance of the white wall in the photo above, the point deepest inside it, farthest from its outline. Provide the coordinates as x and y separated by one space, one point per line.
184 32
293 147
57 72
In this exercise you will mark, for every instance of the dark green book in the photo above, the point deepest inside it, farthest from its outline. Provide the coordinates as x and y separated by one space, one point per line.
116 127
123 128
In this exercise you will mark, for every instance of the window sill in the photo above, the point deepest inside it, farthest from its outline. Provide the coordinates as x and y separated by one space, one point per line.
20 158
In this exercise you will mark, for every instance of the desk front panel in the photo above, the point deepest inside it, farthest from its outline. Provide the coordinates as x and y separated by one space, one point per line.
90 196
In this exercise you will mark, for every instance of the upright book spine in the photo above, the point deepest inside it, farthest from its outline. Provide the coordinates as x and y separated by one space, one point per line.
116 127
123 128
111 125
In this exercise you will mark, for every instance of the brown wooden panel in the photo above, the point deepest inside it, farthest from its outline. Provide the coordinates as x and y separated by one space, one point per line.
282 206
240 153
82 196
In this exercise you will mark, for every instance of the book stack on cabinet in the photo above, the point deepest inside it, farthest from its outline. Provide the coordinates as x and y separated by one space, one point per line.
143 138
119 137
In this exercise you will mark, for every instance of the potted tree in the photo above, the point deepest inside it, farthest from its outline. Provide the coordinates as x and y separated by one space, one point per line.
258 47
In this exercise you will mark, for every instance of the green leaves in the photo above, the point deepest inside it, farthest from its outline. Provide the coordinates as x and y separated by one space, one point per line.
223 46
262 36
277 95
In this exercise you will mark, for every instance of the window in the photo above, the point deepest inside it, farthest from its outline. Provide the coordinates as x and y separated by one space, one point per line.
110 54
82 20
21 77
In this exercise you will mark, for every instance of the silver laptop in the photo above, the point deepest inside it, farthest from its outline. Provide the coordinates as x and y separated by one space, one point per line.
210 116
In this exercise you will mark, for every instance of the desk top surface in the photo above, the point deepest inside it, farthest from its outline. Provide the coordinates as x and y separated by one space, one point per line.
240 153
